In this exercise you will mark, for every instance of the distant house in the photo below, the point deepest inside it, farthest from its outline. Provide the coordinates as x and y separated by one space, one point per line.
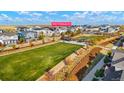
1 31
46 31
61 29
109 29
22 28
92 29
104 29
27 35
7 38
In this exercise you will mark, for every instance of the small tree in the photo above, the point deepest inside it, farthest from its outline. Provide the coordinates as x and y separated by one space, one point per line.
62 35
53 35
30 43
78 31
41 37
109 54
1 45
21 40
99 73
14 46
106 60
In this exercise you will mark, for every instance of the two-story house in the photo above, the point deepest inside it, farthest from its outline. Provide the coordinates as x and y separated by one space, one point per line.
8 38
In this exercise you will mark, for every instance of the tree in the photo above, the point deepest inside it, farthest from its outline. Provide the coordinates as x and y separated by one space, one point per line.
21 40
1 44
62 35
14 46
68 32
106 60
30 43
78 31
41 37
72 34
53 35
109 54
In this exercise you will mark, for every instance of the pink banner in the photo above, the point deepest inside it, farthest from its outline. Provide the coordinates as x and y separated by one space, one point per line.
61 23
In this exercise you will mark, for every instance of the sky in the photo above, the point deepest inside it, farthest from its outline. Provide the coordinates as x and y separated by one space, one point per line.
46 17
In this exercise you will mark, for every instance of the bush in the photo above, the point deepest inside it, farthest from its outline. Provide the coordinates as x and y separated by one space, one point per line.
21 40
95 79
106 60
109 54
99 73
14 46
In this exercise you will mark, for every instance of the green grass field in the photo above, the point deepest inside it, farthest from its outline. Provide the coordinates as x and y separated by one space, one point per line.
91 38
30 65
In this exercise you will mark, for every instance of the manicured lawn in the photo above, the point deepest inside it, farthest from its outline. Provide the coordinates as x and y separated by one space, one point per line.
30 65
91 38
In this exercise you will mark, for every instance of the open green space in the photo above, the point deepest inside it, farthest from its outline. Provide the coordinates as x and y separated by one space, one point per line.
30 65
92 39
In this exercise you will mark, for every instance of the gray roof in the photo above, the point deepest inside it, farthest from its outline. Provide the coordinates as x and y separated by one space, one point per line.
118 60
112 74
8 33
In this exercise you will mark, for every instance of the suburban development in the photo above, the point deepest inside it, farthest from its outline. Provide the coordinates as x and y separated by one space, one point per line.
61 50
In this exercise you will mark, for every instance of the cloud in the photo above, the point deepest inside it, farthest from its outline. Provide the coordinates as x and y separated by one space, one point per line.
96 17
51 12
23 12
36 14
5 17
117 12
79 17
65 15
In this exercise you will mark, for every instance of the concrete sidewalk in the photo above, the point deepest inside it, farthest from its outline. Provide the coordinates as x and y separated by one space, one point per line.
90 75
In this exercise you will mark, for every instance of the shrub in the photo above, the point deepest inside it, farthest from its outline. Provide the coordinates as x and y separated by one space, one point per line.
109 53
106 60
95 79
21 40
99 73
14 46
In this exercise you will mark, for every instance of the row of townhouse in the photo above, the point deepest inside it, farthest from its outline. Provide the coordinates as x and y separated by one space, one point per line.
29 33
32 33
101 28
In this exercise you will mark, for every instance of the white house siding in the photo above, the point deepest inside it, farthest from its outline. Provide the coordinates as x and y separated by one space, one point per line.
8 39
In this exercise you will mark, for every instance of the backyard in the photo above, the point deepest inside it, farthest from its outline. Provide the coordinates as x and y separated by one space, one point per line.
31 64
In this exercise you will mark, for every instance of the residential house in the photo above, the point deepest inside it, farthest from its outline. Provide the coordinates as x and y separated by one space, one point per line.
22 28
46 31
28 35
8 38
109 29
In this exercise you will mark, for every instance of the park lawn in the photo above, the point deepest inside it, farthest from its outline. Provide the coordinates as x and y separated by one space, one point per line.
91 38
31 64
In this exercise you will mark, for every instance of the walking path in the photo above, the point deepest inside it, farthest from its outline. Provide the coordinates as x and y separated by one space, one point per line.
25 49
90 75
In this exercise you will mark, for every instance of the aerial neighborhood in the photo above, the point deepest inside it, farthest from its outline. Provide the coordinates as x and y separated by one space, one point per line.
33 33
74 52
